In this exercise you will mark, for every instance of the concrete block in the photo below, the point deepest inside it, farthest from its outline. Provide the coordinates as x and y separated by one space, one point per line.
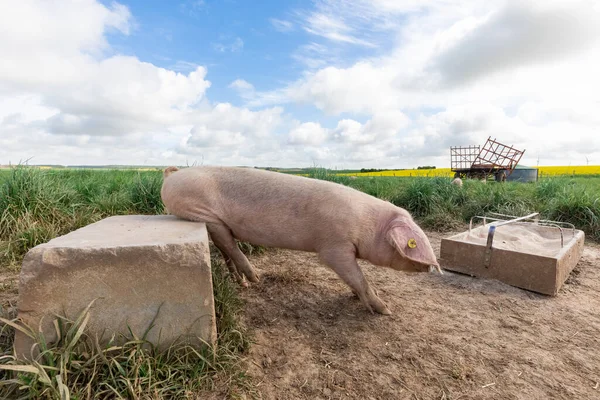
140 269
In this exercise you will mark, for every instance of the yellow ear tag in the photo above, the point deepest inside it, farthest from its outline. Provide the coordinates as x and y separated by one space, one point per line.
412 243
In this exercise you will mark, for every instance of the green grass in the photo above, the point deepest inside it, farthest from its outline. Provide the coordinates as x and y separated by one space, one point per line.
38 205
78 367
438 205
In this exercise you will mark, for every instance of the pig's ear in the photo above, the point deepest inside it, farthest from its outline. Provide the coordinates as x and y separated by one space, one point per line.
410 241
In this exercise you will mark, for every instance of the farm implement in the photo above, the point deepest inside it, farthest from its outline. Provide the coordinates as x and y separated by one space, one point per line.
493 159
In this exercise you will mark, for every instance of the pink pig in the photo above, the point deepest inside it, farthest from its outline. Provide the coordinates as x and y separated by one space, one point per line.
273 209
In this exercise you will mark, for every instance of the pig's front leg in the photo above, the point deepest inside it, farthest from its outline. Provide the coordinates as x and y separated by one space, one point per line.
239 277
343 261
223 239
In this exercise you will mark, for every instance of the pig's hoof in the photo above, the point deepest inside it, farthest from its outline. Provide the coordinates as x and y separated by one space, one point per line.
381 308
252 277
385 311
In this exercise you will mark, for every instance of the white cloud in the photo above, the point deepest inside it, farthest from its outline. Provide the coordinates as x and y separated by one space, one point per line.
446 73
225 132
243 88
242 85
224 116
184 66
363 88
308 133
357 22
314 55
201 136
384 125
519 34
234 46
282 25
332 28
193 8
88 106
59 29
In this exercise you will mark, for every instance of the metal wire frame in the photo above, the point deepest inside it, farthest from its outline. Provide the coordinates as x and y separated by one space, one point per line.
492 157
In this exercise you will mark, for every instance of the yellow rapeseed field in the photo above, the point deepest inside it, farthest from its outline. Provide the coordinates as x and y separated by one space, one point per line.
446 172
408 172
570 170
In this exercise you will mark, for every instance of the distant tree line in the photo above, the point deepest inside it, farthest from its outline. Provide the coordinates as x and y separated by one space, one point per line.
395 169
372 170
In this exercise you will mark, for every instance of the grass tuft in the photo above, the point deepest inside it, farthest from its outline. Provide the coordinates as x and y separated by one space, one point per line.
78 367
38 205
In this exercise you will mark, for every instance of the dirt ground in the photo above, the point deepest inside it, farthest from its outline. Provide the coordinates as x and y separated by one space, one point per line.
450 336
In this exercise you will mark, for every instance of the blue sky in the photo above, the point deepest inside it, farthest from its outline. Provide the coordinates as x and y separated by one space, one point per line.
338 83
233 39
222 35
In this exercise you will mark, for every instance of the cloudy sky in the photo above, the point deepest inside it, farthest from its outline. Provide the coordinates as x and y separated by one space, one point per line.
334 83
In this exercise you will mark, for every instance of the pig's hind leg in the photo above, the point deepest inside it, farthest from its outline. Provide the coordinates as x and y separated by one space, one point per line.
223 239
343 261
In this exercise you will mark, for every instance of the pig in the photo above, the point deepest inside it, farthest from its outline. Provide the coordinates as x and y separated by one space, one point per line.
457 181
272 209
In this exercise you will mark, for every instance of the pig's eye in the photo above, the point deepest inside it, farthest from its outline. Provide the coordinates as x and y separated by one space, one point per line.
412 243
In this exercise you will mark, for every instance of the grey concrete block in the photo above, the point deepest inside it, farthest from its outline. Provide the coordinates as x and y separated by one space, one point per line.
138 268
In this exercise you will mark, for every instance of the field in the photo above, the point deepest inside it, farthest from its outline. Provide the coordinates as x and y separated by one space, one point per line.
590 170
301 334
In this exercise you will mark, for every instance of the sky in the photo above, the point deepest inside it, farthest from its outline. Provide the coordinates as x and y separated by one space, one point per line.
297 83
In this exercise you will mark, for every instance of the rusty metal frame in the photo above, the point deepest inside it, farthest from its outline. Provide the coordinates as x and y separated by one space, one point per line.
462 158
491 158
495 155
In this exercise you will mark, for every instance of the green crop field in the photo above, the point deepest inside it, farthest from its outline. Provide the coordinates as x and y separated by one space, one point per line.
39 204
439 205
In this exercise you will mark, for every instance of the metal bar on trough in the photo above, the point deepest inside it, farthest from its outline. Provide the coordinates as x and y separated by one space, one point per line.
492 230
488 246
560 225
521 218
484 220
545 222
562 239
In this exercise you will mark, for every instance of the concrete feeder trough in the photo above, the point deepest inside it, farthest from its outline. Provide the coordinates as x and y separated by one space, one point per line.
524 252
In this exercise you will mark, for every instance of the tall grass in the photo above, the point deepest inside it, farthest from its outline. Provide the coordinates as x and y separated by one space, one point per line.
78 367
37 205
566 199
438 204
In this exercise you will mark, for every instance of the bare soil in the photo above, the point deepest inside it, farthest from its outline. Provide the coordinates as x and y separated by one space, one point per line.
9 291
450 336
